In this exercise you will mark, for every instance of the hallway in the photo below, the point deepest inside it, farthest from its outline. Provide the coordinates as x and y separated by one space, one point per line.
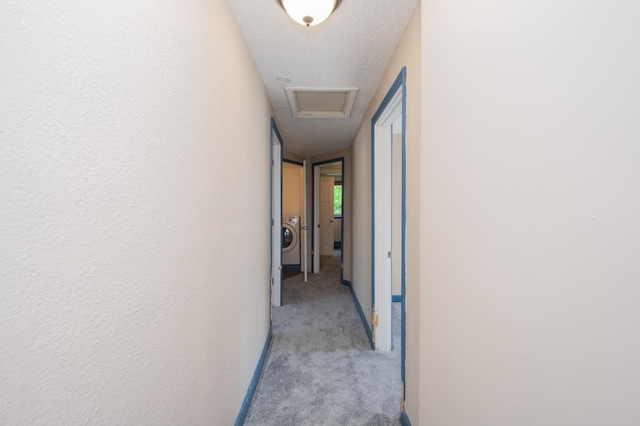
138 221
320 368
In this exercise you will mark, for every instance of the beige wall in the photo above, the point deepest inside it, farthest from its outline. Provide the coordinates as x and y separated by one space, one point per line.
291 190
126 296
530 303
407 54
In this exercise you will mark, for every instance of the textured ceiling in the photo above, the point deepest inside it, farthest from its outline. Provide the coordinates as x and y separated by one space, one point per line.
351 49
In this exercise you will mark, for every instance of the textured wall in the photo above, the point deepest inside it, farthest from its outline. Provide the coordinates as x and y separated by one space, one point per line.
134 274
530 213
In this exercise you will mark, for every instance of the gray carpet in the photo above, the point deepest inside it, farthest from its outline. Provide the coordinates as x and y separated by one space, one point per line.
320 369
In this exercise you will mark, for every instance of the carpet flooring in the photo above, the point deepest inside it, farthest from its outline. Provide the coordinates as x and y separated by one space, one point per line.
290 274
320 369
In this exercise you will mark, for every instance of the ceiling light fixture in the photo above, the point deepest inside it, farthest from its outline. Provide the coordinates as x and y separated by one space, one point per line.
309 12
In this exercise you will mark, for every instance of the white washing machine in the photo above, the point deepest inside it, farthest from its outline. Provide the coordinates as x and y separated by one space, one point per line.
291 240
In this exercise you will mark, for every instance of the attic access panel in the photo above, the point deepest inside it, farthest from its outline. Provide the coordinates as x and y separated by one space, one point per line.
308 102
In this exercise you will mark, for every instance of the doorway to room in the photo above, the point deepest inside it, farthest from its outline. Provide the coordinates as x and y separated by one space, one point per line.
388 251
293 218
328 214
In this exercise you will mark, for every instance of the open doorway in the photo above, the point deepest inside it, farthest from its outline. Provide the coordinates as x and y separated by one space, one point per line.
388 182
276 215
292 218
328 215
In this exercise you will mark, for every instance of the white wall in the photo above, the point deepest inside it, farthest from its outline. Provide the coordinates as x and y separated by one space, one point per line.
407 54
126 293
530 303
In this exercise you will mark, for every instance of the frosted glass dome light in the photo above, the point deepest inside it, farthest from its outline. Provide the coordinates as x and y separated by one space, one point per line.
309 12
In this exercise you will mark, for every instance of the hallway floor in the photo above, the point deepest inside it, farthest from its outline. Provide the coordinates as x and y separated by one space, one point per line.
320 369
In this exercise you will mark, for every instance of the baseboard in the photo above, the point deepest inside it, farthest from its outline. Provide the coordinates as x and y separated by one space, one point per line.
404 419
346 282
246 403
367 329
294 268
396 298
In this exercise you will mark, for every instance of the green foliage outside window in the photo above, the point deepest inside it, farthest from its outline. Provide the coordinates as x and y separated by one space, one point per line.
337 200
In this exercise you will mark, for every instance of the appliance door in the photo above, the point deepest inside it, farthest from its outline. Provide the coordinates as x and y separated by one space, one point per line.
289 238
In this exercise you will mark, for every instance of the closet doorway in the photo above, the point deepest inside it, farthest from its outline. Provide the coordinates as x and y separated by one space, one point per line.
328 213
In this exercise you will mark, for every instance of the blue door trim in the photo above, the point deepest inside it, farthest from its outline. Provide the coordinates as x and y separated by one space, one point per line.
404 419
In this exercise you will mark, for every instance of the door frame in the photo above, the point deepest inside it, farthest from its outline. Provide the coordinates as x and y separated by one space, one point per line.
316 193
275 173
395 98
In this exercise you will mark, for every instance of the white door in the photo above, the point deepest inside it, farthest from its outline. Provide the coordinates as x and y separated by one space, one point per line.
326 215
304 230
382 238
315 253
276 219
382 221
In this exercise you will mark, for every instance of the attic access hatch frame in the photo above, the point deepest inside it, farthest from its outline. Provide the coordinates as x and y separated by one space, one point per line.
321 102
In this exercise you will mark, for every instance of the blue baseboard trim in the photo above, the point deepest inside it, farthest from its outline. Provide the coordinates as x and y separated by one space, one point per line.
291 267
396 298
367 329
347 283
246 403
404 419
